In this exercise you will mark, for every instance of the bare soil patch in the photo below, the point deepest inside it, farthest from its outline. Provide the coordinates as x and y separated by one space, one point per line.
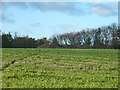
103 61
79 67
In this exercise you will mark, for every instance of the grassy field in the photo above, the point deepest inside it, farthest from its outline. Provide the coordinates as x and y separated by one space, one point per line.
59 68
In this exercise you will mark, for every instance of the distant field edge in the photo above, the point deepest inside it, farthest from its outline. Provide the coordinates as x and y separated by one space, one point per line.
59 89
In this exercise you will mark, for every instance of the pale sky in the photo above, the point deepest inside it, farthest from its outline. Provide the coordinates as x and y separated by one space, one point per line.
44 19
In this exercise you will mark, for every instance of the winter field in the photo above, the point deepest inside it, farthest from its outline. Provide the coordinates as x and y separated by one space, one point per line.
59 68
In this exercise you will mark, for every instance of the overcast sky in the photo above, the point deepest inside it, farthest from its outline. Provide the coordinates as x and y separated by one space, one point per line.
44 19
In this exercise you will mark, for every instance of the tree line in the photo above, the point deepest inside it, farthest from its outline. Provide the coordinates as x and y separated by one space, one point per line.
105 37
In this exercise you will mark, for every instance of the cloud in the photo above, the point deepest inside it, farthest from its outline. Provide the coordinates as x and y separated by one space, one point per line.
97 2
22 5
7 19
104 9
8 16
64 26
66 7
100 8
119 13
0 12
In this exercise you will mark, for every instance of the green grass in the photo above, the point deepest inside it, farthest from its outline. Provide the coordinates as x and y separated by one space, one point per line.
59 68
